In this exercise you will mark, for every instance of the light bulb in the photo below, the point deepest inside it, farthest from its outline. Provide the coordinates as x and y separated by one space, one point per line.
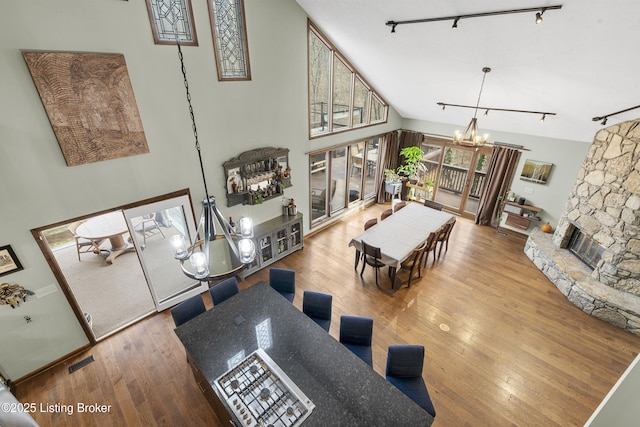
247 250
245 227
200 264
179 244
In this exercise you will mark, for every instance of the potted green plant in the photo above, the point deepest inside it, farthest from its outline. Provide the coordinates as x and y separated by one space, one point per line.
412 162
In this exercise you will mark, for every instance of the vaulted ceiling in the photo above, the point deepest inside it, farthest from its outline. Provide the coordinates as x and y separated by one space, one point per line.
581 62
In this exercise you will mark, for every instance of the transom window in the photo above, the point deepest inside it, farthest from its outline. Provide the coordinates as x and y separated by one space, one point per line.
339 98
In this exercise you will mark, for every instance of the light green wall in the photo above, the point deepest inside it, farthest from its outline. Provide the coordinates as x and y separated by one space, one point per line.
566 156
37 188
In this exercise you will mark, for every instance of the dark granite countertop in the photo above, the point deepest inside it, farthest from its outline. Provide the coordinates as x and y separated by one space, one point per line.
345 390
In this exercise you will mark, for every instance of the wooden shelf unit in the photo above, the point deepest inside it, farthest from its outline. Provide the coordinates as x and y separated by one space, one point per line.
520 216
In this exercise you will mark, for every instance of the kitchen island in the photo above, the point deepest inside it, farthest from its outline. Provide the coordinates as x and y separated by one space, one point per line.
344 390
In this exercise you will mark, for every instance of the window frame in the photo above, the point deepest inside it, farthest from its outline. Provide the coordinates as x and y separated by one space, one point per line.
166 38
373 95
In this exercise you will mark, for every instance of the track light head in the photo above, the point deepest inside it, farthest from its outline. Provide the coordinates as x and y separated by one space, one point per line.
604 121
455 23
539 16
544 116
393 27
486 113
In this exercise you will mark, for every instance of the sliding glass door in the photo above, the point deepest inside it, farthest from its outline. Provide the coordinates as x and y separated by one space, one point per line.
342 177
152 226
458 173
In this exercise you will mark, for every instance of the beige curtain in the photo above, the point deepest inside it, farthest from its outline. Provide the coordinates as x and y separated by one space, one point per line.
388 160
499 175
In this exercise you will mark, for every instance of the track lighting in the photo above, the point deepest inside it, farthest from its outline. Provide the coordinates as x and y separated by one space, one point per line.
443 107
487 109
539 12
604 118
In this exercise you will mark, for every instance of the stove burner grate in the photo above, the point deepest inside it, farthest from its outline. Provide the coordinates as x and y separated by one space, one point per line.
261 394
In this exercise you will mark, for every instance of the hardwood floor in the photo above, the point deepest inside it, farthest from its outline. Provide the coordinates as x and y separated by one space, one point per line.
503 346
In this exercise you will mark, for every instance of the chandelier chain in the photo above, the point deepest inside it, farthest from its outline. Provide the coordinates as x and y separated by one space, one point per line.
193 118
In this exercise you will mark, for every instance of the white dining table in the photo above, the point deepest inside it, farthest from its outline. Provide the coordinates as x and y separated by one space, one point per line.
402 232
110 226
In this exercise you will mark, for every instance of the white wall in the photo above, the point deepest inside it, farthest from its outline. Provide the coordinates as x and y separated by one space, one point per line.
37 188
566 156
620 407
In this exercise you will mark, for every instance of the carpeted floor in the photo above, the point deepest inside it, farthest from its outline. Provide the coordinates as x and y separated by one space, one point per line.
116 294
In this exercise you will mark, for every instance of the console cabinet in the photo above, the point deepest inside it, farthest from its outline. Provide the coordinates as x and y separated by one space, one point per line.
275 239
520 216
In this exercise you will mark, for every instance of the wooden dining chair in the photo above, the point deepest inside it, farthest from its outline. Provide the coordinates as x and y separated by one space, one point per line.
414 261
370 223
399 206
443 237
372 257
386 214
433 205
431 244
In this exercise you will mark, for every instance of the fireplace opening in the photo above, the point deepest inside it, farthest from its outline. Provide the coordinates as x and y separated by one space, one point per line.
585 248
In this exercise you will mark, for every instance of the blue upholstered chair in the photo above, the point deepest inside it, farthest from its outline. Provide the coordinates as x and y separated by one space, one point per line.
317 306
404 370
224 290
283 281
187 310
355 334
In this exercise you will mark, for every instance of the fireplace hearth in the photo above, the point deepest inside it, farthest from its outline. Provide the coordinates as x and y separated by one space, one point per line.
601 226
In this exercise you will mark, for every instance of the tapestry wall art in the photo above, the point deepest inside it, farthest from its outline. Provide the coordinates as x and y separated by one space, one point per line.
90 103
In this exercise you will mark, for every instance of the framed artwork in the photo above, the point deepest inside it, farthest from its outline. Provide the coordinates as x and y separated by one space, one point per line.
9 262
230 46
535 171
90 103
169 17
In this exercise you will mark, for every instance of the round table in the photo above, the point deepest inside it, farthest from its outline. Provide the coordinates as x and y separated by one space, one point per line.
110 226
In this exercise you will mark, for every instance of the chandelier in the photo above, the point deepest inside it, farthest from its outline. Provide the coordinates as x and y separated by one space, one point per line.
471 136
213 256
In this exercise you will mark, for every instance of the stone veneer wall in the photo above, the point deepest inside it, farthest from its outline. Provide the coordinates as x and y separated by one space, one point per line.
573 278
604 204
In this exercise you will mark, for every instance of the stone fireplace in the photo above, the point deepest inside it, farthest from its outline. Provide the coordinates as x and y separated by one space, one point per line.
604 205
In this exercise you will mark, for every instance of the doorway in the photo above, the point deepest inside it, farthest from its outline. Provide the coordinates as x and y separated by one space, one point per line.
117 267
458 173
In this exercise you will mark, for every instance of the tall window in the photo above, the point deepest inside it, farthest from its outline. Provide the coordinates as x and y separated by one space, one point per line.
339 97
169 17
230 39
341 177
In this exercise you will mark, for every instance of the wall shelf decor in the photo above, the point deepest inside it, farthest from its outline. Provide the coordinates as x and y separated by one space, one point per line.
257 175
13 295
521 215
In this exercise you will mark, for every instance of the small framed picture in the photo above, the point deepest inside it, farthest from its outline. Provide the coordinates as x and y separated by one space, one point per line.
9 262
535 171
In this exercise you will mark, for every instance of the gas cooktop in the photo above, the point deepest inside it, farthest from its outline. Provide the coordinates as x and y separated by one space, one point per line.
260 394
